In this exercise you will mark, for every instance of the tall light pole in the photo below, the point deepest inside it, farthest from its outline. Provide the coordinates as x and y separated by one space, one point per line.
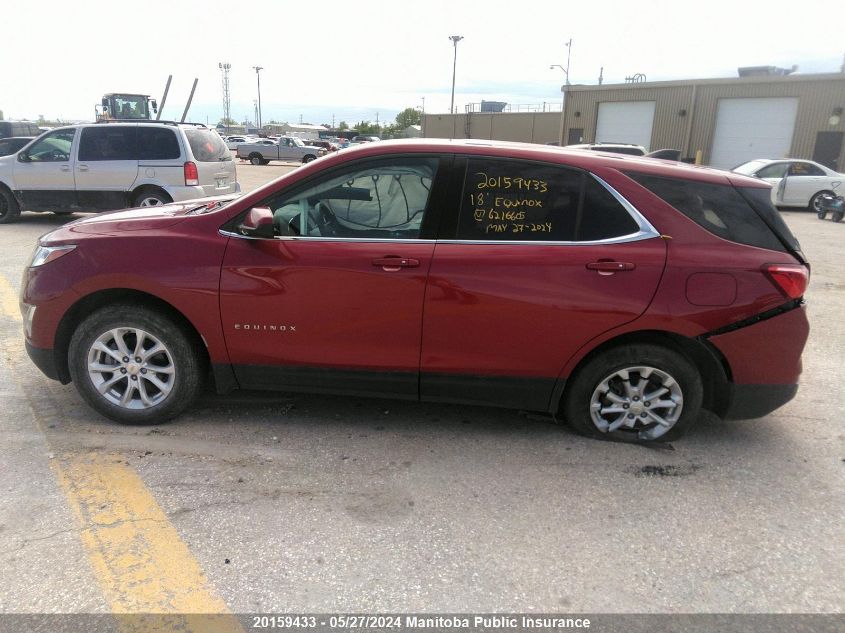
227 114
455 39
564 87
258 70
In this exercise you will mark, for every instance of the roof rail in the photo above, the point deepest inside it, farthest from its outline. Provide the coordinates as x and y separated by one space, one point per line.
151 121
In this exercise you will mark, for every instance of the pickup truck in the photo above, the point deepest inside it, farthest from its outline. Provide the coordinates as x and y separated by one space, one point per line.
288 148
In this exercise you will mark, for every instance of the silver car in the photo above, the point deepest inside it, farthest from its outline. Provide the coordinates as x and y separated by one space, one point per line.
104 166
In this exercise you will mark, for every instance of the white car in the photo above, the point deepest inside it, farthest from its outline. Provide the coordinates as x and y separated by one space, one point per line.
795 183
232 142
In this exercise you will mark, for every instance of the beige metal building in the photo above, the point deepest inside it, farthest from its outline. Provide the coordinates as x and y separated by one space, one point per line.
728 120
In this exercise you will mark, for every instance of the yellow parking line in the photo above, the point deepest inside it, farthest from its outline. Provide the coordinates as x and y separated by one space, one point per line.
138 557
9 300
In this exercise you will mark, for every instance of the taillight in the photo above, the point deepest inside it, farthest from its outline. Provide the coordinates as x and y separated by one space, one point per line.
791 279
192 176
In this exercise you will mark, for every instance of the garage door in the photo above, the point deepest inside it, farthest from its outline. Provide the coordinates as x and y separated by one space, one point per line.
625 122
752 128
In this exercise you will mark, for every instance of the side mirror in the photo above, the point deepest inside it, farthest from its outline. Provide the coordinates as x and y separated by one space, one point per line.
155 106
23 157
257 223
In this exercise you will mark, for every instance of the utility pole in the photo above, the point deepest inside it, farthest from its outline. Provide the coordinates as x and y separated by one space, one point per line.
258 70
455 39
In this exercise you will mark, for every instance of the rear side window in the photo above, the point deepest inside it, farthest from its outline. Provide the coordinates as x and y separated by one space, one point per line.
206 146
156 143
108 142
720 209
516 201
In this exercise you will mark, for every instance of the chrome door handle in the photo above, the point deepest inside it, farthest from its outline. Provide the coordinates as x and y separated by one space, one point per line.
82 167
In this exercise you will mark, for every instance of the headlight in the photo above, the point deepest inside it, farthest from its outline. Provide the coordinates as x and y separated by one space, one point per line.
45 254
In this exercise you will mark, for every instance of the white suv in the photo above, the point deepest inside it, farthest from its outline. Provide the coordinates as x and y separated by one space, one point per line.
104 166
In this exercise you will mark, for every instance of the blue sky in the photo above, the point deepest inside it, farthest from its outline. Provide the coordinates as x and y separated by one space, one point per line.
356 59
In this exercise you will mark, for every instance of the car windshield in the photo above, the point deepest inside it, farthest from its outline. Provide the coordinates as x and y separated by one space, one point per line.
206 146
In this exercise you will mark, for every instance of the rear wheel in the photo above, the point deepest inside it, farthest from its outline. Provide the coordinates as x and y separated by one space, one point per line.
309 158
151 198
816 201
10 211
256 159
635 393
134 365
837 216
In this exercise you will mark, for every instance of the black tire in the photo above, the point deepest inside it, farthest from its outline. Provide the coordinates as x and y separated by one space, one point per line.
815 201
837 216
308 158
179 367
265 161
602 370
821 214
10 211
256 159
150 198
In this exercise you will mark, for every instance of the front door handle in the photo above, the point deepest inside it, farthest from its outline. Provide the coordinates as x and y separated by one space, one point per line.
82 167
395 263
608 267
65 167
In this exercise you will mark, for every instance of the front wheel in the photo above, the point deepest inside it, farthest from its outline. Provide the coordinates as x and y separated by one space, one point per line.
635 393
9 209
134 365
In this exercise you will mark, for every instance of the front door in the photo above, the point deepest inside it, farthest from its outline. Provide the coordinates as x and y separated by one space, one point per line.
542 259
333 302
44 175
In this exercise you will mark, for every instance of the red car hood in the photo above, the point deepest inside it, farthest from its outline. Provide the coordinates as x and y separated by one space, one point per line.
140 219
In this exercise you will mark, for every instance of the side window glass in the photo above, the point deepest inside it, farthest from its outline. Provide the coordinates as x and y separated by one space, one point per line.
517 201
53 147
157 144
521 201
107 143
804 169
778 170
387 200
603 216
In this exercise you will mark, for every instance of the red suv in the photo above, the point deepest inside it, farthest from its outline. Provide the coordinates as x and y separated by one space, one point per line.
623 294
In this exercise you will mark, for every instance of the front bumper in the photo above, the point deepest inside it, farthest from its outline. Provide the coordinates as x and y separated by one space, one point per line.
45 360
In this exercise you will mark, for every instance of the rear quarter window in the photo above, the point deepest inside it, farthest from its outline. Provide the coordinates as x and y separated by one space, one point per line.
206 146
720 209
155 143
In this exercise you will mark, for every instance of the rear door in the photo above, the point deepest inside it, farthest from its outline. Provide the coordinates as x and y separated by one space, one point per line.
44 176
534 261
333 302
107 166
803 181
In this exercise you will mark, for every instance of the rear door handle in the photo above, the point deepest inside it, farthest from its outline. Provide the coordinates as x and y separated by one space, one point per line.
607 267
82 167
395 263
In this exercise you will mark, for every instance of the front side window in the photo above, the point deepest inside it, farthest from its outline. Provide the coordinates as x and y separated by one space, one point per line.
520 201
52 147
778 170
108 142
386 199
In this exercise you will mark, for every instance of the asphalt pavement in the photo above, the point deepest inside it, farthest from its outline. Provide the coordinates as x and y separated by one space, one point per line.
307 503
